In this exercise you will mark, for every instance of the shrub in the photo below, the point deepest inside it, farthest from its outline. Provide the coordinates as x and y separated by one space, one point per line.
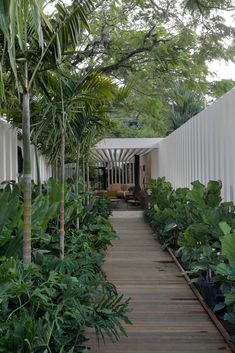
201 230
47 305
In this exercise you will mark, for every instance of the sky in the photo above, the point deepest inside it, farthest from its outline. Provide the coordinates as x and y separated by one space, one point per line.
222 69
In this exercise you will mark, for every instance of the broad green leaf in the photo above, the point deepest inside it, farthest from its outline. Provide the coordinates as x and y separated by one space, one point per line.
228 247
230 317
226 229
170 227
230 298
222 269
219 306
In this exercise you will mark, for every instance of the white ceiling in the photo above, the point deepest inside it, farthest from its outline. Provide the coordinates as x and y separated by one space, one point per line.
121 150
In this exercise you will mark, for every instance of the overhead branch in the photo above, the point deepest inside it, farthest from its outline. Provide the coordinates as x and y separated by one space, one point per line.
125 59
149 43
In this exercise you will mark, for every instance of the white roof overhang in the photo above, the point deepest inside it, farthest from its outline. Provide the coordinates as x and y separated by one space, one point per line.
123 150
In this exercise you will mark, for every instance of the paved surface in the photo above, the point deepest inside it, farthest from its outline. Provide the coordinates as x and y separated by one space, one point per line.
167 318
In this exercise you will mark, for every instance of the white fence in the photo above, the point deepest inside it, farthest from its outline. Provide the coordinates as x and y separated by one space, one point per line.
9 144
202 149
8 152
44 166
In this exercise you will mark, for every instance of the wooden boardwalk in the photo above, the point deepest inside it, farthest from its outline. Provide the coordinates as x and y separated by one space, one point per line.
166 316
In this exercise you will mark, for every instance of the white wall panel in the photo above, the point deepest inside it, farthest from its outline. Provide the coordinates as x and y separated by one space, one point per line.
8 152
9 157
202 149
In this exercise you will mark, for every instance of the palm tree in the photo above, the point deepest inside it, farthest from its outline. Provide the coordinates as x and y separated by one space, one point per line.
74 105
32 42
184 105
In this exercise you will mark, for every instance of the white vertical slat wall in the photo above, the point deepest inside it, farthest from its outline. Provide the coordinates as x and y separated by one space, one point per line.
9 157
8 152
44 166
202 149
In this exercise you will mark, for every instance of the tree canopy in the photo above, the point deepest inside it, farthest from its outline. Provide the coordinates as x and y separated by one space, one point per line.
151 45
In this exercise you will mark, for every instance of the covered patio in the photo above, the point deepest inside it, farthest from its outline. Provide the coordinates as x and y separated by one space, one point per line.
122 161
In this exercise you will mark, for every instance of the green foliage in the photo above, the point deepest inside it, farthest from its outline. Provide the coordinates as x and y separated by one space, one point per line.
47 305
219 88
103 206
184 105
135 44
201 230
226 270
11 224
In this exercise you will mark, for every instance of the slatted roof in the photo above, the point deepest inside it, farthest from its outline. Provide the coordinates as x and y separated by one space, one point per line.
123 150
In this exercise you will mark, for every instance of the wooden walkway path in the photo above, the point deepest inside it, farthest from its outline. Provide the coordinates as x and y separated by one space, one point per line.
167 318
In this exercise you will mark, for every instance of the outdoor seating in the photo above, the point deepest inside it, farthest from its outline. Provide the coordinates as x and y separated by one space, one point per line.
118 190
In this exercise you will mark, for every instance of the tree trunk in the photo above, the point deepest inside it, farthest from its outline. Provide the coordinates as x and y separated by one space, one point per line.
62 232
88 181
26 178
88 176
83 175
38 169
76 185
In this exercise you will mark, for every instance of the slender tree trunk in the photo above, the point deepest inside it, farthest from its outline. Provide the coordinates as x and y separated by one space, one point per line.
57 171
77 181
26 177
38 169
62 162
88 181
83 175
62 232
88 175
84 181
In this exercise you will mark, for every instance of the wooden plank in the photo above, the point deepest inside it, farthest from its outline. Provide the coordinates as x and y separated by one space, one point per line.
166 315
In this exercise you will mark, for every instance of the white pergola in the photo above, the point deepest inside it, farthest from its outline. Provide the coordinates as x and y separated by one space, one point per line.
118 156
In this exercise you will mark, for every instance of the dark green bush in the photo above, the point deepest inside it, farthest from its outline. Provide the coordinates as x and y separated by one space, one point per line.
201 230
47 305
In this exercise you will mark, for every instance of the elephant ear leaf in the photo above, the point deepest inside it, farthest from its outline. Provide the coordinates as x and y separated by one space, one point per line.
226 229
228 247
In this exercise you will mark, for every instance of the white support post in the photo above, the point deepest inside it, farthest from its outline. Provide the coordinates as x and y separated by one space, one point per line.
126 173
108 167
123 174
112 180
129 166
115 171
119 172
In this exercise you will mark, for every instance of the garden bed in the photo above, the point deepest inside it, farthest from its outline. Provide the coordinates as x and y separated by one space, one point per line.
46 305
200 230
215 319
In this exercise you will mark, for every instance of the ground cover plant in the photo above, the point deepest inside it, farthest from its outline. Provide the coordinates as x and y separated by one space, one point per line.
47 305
200 229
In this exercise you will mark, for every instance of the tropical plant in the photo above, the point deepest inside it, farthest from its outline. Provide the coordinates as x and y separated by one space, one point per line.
184 104
226 272
31 41
189 221
47 305
75 114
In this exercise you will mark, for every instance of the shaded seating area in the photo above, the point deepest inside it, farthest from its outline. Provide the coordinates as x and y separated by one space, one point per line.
125 173
119 190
